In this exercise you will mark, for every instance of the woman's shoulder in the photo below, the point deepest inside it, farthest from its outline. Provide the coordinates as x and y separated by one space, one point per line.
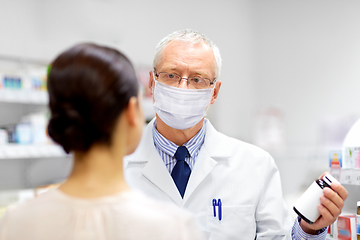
154 206
31 205
131 211
166 218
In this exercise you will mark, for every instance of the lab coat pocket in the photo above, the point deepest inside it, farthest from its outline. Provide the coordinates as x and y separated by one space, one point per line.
237 222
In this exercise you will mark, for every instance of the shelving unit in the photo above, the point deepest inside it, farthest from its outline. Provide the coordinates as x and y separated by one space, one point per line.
28 166
23 168
350 179
36 97
16 151
23 96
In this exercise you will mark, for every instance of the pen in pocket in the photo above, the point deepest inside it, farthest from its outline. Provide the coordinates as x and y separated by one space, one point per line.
219 205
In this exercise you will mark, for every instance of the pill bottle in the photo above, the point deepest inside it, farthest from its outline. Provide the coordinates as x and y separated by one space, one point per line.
358 220
306 207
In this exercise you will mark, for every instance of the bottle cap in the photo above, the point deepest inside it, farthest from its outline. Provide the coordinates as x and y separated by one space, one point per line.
329 179
358 203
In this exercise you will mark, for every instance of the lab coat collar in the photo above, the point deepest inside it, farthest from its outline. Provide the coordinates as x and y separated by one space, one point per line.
213 151
155 170
215 143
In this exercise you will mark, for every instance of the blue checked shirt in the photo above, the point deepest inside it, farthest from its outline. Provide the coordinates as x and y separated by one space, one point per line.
298 234
167 149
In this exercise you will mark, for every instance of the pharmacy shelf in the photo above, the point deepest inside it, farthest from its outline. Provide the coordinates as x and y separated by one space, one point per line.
24 96
17 151
41 97
23 60
347 176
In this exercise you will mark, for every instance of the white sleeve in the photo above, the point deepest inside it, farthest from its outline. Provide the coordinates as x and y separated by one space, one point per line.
272 217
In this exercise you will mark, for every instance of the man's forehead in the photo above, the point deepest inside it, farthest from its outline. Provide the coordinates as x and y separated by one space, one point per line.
187 51
186 44
179 55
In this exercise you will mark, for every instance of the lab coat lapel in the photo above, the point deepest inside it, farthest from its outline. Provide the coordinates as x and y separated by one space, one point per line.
210 154
202 168
155 170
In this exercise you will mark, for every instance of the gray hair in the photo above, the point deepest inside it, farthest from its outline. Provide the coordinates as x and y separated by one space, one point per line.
188 35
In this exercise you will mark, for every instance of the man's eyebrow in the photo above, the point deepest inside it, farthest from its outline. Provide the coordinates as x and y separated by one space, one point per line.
202 74
170 68
174 68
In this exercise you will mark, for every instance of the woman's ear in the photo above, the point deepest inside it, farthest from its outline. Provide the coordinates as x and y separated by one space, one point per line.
135 121
132 111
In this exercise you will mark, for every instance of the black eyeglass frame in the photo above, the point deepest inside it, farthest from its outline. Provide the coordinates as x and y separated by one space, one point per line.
187 79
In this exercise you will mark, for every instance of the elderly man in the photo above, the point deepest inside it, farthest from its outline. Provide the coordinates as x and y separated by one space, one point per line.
232 187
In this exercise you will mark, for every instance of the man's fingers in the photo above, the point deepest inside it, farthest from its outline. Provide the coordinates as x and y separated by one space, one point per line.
326 217
330 206
334 197
340 190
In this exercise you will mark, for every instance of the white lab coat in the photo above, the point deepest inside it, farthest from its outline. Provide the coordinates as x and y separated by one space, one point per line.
243 176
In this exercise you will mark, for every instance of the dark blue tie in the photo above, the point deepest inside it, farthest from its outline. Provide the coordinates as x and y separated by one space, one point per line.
181 171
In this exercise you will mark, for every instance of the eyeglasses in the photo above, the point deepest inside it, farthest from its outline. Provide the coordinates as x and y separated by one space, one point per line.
173 79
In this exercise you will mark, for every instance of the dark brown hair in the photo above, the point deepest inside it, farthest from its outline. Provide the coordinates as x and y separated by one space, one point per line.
89 86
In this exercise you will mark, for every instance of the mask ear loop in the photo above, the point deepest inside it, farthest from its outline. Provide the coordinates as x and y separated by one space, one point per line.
212 93
153 88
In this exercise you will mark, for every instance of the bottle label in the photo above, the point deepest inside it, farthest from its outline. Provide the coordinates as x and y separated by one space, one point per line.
358 224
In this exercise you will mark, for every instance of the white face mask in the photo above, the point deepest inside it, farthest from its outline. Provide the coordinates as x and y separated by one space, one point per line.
181 108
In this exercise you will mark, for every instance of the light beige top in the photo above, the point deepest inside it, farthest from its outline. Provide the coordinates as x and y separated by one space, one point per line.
127 216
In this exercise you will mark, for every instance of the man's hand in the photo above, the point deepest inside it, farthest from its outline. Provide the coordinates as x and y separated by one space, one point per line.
330 208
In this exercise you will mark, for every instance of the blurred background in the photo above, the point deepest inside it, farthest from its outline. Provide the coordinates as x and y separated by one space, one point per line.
290 76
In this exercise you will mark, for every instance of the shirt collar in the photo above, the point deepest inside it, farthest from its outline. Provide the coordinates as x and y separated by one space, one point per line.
193 145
